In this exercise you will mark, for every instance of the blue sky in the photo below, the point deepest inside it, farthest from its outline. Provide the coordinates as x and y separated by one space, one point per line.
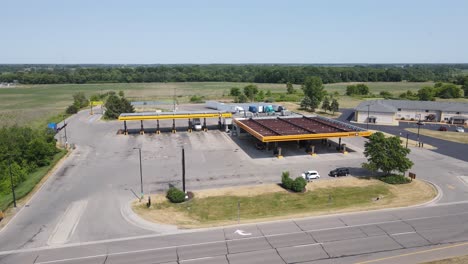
331 31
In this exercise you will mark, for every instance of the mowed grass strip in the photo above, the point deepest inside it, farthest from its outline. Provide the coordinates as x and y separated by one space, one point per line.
445 135
224 208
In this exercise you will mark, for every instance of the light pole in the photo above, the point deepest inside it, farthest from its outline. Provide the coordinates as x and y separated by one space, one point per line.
407 135
368 112
141 173
11 181
183 169
65 130
419 125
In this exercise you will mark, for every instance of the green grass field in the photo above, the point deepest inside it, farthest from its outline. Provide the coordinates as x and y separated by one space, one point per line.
35 104
25 187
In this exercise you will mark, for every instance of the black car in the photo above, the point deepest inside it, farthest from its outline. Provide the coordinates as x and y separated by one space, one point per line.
339 172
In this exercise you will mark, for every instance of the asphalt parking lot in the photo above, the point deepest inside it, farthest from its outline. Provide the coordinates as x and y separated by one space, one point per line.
448 148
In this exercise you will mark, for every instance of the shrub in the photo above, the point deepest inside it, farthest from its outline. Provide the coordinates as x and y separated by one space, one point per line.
286 181
412 119
196 99
298 184
72 109
395 179
402 118
175 195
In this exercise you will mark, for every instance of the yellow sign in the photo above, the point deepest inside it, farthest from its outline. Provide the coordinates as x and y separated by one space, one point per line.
94 103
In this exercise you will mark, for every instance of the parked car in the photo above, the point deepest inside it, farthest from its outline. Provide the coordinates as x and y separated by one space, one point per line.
310 175
197 124
339 172
443 128
460 129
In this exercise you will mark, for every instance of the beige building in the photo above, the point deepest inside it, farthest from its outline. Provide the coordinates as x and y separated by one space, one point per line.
390 111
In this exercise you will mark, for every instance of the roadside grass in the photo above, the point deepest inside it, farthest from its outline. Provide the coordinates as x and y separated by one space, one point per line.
34 104
411 142
454 260
271 202
31 181
445 135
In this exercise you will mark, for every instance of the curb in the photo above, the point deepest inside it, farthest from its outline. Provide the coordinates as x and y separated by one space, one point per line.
131 217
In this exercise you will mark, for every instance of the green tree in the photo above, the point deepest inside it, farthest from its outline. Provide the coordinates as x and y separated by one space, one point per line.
72 109
326 104
116 106
95 97
268 93
314 90
121 93
234 91
386 94
448 90
250 91
362 89
334 106
79 100
386 154
260 96
289 88
241 98
426 93
306 103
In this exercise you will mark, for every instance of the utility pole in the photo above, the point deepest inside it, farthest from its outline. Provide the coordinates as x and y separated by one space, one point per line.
419 126
141 173
183 169
368 112
65 130
407 135
11 180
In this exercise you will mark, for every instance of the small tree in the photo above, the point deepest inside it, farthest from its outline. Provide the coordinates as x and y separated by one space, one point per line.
305 103
115 106
72 109
289 88
313 88
241 98
234 91
260 96
79 100
386 154
268 93
334 106
250 91
175 195
286 181
326 104
121 93
298 184
425 94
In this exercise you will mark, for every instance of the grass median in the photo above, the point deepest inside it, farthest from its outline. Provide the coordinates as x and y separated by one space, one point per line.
271 202
445 135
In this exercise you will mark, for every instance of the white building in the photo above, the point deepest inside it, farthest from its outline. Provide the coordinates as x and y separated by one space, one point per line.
390 111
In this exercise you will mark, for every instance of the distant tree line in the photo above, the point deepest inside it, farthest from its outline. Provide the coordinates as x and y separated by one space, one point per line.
227 73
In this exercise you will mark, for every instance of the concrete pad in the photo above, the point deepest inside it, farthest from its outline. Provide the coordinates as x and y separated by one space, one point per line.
200 251
245 232
196 237
396 227
279 228
411 240
290 240
360 246
372 230
244 245
319 223
145 257
337 234
302 253
269 256
207 260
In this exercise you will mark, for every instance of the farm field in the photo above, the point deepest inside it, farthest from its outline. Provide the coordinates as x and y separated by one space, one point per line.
34 104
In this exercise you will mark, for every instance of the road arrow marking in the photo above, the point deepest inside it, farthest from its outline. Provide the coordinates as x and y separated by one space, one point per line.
242 233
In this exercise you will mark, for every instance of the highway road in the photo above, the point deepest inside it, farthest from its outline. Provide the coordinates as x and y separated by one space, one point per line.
77 216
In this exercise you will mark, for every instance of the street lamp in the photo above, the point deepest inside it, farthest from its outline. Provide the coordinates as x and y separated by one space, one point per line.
419 123
141 173
11 181
368 112
65 130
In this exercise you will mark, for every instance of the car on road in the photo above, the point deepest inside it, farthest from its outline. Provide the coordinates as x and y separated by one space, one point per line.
460 129
339 172
310 175
443 128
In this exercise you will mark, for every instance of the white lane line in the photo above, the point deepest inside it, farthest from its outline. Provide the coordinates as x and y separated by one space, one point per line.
306 245
404 233
67 223
194 259
204 243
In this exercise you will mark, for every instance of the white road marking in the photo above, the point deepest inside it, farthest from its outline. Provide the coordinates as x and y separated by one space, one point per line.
188 260
404 233
464 179
67 223
242 233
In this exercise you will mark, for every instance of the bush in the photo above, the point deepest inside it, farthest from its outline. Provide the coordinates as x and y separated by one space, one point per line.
175 195
402 118
395 179
286 182
196 99
72 109
299 184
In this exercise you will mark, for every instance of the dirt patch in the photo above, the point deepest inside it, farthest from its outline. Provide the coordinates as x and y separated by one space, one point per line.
416 192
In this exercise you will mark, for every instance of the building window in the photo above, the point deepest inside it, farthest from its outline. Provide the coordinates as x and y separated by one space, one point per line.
458 113
446 118
399 109
427 111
